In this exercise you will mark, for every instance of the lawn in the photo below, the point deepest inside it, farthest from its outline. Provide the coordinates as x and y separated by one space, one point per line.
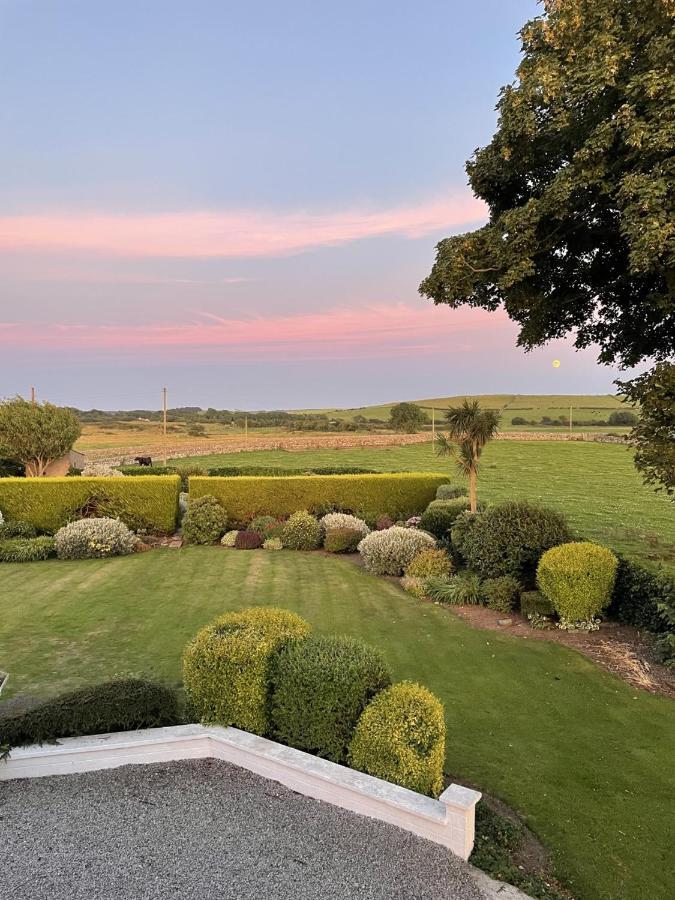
585 759
594 485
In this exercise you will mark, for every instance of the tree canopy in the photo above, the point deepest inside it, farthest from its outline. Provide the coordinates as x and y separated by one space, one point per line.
579 186
407 417
654 433
36 433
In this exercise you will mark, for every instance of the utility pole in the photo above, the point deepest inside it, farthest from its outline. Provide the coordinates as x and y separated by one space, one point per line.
164 392
246 429
570 418
433 427
32 395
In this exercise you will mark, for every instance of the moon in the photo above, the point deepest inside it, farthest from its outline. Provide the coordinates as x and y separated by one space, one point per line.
556 364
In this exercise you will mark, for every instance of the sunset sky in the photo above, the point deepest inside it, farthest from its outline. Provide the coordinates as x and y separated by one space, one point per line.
239 201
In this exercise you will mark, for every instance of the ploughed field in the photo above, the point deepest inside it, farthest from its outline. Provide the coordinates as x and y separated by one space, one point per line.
586 759
595 485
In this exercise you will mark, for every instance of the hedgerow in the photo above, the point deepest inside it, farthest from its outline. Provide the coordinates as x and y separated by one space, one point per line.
145 503
367 496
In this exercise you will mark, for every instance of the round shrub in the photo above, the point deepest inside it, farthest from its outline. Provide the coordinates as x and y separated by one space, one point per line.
248 540
333 521
94 539
320 687
401 738
27 549
450 491
229 539
440 515
302 531
342 540
578 579
429 563
390 552
122 705
205 521
273 543
501 594
226 666
509 539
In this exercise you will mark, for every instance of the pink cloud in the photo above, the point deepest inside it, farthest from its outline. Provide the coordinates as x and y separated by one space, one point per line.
369 331
229 234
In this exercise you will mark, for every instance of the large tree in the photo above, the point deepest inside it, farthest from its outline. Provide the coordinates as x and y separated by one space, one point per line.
35 434
579 184
654 433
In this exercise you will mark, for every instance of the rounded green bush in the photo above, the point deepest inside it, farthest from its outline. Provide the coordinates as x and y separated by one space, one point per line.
205 521
451 491
501 594
440 515
342 540
510 538
302 531
429 563
320 687
400 737
389 552
226 666
578 579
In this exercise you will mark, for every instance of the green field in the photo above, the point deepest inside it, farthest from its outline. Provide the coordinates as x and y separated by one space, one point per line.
586 759
594 485
585 407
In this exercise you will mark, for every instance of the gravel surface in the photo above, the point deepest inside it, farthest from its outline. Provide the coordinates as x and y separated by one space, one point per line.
205 829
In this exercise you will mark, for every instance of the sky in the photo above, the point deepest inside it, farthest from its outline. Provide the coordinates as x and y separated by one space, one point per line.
239 201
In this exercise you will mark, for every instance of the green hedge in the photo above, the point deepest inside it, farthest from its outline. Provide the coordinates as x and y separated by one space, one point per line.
398 495
149 502
122 705
282 472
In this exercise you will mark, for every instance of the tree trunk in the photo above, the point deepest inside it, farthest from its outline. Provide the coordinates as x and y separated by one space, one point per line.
473 494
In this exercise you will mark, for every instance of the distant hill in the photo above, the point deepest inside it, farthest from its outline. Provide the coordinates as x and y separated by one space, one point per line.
531 407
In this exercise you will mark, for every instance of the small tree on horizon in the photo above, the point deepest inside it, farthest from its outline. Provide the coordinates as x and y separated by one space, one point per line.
469 430
407 418
36 434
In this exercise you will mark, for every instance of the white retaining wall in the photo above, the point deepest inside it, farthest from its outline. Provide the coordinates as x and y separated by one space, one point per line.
448 821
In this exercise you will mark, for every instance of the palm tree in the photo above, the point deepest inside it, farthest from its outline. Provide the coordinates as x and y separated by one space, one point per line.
469 430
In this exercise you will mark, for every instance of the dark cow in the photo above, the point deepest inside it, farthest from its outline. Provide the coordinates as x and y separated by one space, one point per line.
144 460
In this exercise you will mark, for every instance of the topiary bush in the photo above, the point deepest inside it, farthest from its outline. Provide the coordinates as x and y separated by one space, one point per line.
501 594
302 531
94 539
450 491
320 687
400 737
440 515
510 538
390 552
639 594
248 540
204 522
429 563
578 579
333 521
226 667
27 549
342 540
121 705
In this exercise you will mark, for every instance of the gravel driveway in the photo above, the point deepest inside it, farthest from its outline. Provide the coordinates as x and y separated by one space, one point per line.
209 830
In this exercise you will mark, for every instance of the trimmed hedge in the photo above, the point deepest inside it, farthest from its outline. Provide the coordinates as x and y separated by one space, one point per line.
320 687
226 667
401 738
281 472
149 502
578 579
368 496
120 705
